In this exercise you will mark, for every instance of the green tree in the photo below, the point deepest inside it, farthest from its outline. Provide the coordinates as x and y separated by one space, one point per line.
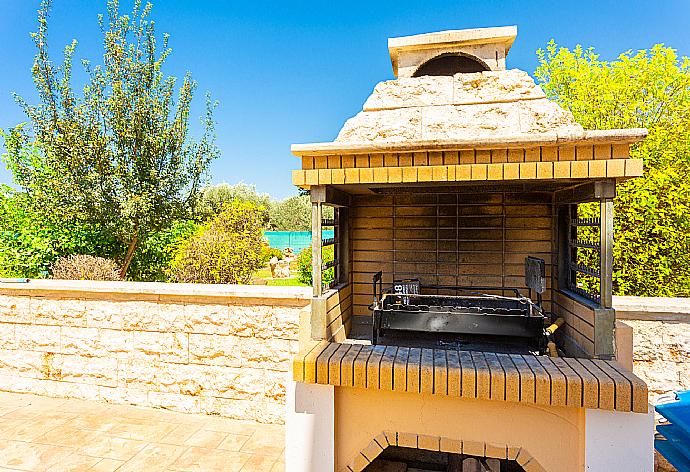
213 198
119 154
225 250
651 89
291 214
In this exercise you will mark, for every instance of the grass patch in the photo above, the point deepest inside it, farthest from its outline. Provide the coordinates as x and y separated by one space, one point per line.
264 273
291 282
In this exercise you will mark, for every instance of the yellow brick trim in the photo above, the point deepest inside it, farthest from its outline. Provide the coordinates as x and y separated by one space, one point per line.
338 176
481 449
366 176
633 167
325 176
605 168
621 151
298 178
579 383
376 160
312 177
409 174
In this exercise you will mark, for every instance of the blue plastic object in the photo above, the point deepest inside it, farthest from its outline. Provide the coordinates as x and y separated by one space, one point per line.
674 443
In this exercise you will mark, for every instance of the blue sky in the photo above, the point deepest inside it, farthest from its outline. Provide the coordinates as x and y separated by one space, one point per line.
293 72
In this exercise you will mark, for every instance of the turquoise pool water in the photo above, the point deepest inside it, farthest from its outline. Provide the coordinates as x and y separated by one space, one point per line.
297 240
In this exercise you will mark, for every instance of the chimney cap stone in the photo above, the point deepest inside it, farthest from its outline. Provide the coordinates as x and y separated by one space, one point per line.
489 45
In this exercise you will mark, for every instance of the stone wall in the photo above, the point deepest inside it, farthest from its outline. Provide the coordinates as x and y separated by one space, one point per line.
661 341
221 350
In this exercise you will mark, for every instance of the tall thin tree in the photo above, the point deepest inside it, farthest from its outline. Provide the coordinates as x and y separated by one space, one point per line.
119 154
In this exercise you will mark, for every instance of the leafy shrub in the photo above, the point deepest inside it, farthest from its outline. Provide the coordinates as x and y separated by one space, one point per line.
304 265
85 267
268 253
31 240
651 89
155 254
225 250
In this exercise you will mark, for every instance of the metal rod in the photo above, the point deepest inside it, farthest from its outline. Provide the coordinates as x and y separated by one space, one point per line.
329 264
586 222
585 244
584 270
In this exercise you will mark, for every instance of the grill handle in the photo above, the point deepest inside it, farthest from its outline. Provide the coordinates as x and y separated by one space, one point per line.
378 277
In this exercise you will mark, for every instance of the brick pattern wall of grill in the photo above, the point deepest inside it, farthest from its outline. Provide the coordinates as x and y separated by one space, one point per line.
449 239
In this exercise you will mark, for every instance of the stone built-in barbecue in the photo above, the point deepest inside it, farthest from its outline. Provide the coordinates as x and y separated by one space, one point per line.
452 177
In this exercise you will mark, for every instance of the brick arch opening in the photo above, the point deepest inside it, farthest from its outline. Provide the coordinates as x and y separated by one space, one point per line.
450 64
458 448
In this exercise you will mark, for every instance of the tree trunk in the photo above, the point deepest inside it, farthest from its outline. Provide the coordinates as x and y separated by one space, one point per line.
129 256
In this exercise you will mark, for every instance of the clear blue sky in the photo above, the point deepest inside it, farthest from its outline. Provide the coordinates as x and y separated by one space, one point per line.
293 72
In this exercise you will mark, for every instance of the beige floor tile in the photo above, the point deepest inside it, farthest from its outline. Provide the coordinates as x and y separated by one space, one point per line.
31 457
21 413
140 413
106 465
111 447
227 425
205 438
75 405
9 425
279 466
180 434
141 429
38 434
15 398
102 422
27 429
257 463
4 409
153 458
197 459
74 463
264 443
65 435
233 442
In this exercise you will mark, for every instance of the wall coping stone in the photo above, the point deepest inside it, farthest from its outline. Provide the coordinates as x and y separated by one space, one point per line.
652 308
255 294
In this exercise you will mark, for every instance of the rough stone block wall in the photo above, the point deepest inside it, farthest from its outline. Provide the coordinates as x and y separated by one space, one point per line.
661 355
219 356
661 341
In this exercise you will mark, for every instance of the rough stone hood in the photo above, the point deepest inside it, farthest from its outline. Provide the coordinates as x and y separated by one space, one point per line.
488 109
467 106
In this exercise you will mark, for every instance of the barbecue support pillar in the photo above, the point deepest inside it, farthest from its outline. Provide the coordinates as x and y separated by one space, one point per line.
605 316
316 242
309 427
318 303
616 440
606 242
